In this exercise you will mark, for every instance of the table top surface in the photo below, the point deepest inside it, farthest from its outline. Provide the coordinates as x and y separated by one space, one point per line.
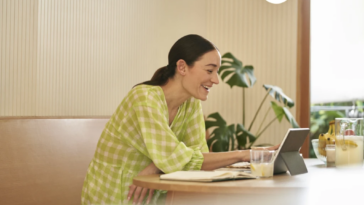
318 177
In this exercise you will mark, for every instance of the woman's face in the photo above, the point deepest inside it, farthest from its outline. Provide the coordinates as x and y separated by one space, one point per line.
200 78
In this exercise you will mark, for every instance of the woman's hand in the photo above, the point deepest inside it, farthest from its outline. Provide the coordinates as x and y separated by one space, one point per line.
140 192
275 147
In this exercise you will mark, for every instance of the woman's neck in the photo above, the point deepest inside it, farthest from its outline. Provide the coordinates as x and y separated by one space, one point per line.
175 94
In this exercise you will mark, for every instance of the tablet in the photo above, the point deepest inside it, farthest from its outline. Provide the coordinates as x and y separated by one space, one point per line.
288 156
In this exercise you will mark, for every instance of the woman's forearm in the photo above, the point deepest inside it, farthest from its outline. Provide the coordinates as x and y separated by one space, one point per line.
150 169
215 160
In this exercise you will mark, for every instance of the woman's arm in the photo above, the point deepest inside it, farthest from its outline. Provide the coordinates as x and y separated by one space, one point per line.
140 192
215 160
211 161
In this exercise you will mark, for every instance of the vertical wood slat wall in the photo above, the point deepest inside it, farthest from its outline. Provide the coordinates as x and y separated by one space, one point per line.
80 58
89 53
18 57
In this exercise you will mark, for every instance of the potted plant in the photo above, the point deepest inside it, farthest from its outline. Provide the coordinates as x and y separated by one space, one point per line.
223 136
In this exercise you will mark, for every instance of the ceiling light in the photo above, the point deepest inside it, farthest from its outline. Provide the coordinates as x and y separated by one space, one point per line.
276 1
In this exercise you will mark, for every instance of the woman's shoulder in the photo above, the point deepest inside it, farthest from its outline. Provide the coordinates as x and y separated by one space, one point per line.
145 94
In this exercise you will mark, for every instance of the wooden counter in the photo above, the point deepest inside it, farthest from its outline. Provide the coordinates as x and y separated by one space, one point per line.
321 185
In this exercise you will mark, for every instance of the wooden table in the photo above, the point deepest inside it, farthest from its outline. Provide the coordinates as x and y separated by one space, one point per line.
321 185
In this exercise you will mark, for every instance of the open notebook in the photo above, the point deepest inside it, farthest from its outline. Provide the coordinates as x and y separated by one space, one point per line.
206 176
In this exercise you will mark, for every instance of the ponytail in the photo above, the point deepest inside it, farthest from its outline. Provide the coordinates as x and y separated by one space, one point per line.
160 76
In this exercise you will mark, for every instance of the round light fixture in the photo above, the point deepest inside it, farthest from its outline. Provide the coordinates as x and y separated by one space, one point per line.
276 1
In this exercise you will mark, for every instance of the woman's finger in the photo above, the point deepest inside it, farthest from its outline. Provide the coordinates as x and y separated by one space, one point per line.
137 193
142 195
151 191
131 191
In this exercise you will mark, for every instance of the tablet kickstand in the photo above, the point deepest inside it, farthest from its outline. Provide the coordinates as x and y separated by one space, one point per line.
294 163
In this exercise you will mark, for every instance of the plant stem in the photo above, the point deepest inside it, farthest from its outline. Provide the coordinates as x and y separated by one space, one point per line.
244 106
268 125
265 117
256 114
262 131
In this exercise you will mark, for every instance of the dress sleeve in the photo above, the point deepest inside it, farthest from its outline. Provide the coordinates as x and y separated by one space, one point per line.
163 147
195 136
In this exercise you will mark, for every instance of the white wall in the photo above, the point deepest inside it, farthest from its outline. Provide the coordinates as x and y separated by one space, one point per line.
80 58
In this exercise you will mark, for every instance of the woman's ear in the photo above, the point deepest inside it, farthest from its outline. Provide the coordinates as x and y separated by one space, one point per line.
181 67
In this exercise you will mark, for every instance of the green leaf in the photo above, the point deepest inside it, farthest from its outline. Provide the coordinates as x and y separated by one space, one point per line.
278 110
218 145
290 118
226 73
277 93
242 136
314 128
359 104
283 111
222 135
234 74
333 114
219 121
231 135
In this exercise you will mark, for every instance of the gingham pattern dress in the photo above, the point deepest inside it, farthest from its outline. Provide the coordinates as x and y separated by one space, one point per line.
139 133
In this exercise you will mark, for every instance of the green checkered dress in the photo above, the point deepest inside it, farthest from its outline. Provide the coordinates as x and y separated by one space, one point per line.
139 133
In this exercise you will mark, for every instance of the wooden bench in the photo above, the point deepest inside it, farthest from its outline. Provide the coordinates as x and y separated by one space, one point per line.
44 161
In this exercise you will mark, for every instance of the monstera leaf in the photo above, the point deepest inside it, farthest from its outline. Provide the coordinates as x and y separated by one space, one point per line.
283 111
278 94
233 72
222 135
242 136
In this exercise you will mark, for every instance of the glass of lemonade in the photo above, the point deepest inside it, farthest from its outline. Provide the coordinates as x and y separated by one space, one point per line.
349 142
262 162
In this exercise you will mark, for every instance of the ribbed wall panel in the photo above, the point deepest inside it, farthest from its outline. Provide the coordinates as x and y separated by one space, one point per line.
90 53
80 58
18 37
263 35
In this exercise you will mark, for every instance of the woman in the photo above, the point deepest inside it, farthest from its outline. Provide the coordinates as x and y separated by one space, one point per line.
159 127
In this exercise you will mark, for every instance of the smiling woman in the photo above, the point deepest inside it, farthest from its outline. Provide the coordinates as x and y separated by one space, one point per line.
159 127
197 80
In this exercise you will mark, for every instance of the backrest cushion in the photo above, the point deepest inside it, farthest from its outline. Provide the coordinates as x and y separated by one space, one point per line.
44 161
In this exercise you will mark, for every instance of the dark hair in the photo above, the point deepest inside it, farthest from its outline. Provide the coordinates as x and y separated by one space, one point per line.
188 48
